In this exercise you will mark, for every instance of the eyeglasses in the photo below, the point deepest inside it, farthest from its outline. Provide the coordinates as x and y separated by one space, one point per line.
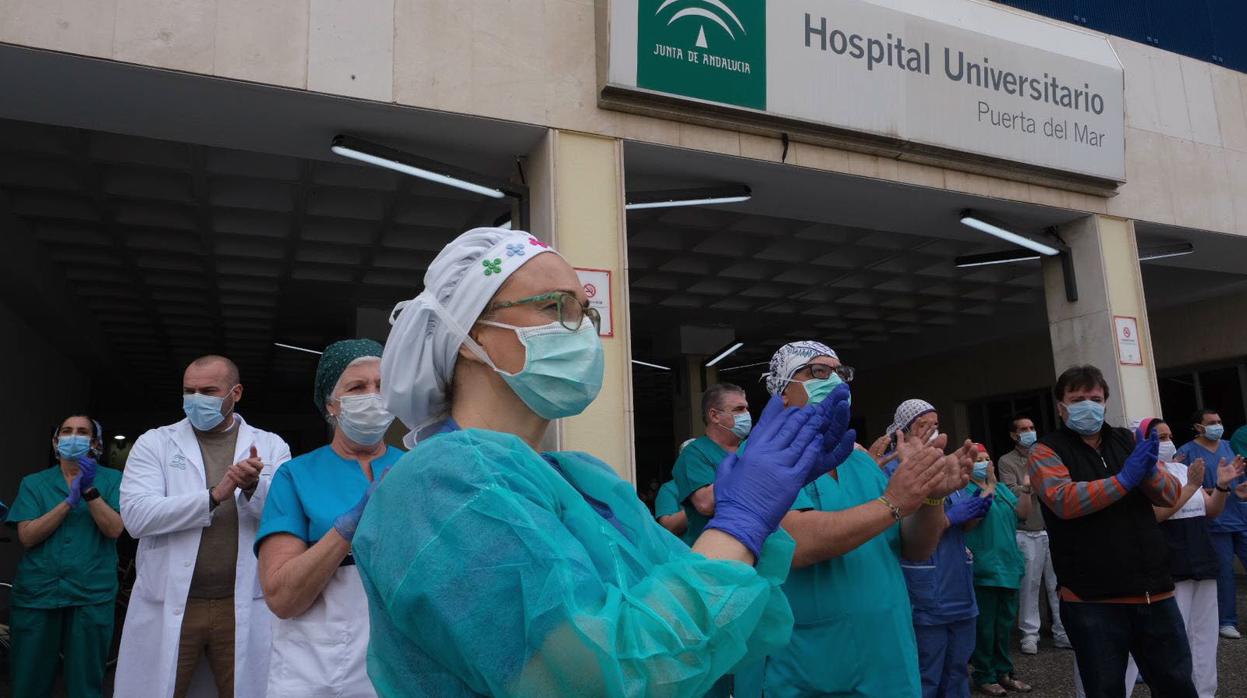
560 304
823 372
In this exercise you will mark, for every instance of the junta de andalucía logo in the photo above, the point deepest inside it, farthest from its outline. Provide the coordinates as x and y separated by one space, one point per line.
705 49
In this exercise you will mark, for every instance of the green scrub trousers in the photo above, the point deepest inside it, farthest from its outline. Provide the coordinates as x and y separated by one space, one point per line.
64 591
40 635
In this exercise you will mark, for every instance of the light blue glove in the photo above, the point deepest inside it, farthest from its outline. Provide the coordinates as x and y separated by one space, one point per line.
348 521
87 467
1141 464
838 439
753 491
968 510
75 491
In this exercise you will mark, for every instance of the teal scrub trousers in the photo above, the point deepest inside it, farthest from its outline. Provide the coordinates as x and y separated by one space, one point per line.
82 634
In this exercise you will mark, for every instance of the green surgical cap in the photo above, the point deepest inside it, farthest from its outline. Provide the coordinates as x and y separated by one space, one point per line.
334 361
1238 442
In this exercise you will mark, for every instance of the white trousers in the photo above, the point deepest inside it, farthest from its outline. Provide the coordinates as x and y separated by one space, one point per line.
1039 573
1198 603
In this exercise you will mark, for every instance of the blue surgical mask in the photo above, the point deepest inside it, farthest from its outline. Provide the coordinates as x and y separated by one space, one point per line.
980 470
1085 417
203 411
562 371
743 425
1027 439
818 389
1214 432
73 447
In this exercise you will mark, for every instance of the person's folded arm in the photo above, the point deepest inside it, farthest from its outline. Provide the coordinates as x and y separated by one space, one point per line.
1066 498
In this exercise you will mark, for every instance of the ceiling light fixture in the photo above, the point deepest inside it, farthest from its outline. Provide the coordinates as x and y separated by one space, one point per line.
1180 249
980 223
737 368
291 346
728 352
688 197
983 260
648 364
120 437
408 164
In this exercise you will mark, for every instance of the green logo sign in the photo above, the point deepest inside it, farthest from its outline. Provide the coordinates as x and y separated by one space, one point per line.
706 49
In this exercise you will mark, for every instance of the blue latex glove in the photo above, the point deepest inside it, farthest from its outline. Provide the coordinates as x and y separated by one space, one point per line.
968 510
348 521
87 468
838 439
1141 464
753 491
75 491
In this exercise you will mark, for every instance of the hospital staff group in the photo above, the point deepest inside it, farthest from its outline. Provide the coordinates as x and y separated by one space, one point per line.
477 564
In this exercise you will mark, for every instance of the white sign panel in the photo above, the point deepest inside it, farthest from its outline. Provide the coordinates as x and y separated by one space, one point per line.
597 285
1128 350
955 74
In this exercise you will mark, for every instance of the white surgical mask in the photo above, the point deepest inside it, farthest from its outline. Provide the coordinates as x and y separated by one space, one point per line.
363 418
1167 451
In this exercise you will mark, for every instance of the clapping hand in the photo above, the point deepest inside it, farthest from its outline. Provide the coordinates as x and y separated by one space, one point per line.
921 471
87 467
957 467
1195 473
246 472
1228 472
968 509
838 439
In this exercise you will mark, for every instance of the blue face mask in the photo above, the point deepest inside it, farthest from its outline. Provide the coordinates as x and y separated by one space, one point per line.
980 470
73 447
203 411
1214 432
1085 417
743 425
562 371
1028 439
818 389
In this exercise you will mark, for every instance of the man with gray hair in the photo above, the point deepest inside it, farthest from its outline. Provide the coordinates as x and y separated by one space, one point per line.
192 493
725 412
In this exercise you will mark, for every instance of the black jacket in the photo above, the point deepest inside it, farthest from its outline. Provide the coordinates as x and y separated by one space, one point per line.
1117 551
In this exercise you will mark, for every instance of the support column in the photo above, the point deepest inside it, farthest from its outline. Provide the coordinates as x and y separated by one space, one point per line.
1106 264
576 187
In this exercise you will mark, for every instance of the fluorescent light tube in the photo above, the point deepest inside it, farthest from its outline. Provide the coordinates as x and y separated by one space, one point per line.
687 202
995 230
1166 251
730 350
646 363
354 154
291 346
982 260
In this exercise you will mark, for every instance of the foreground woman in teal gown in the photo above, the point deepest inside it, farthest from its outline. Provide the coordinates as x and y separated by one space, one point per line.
493 569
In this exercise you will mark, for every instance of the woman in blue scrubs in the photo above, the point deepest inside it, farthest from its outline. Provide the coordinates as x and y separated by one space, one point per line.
494 569
310 582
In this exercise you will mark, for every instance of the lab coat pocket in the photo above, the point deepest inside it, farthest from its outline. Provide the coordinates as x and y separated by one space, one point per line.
152 567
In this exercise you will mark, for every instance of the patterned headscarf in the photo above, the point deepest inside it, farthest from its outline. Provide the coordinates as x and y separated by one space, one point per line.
334 361
427 331
908 412
789 359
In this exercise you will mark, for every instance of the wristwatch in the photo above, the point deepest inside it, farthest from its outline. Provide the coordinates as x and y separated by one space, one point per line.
212 502
90 493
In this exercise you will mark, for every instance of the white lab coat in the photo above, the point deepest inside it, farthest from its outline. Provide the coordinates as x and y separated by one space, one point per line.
164 504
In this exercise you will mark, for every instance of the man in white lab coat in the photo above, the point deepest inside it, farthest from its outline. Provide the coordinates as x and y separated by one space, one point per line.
192 493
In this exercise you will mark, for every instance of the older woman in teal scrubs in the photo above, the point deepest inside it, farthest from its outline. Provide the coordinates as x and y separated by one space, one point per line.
494 569
320 638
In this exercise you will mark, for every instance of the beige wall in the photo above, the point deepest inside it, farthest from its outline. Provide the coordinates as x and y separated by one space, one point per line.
535 62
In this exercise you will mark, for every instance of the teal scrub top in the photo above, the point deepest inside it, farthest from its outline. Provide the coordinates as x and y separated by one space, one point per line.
309 492
853 631
493 570
998 561
77 564
694 469
666 503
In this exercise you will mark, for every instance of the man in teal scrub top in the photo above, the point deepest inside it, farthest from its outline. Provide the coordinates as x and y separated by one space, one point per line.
853 631
667 509
725 411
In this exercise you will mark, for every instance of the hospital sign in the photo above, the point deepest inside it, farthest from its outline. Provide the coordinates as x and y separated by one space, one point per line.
956 75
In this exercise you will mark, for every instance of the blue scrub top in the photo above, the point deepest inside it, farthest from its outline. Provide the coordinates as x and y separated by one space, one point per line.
941 588
310 491
1234 518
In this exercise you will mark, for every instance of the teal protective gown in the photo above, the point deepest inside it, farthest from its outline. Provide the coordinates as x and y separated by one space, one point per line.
854 631
491 570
